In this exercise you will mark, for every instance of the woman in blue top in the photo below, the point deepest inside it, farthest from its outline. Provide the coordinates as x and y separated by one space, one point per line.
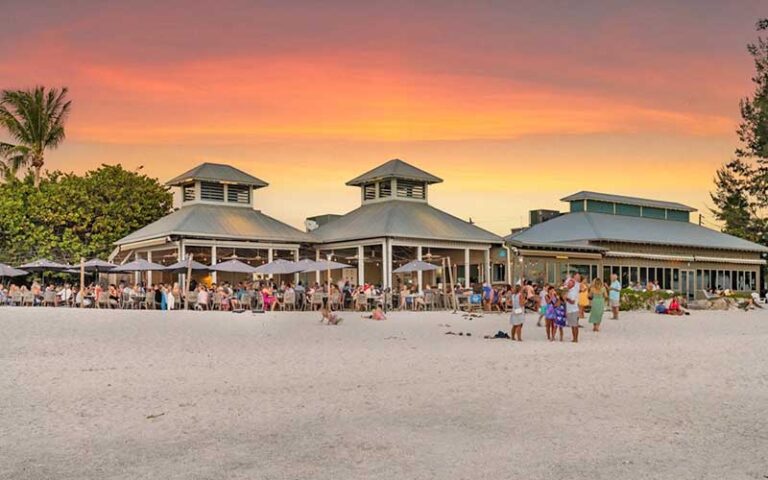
614 296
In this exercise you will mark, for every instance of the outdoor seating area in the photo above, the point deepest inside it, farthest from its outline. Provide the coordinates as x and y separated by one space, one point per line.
51 284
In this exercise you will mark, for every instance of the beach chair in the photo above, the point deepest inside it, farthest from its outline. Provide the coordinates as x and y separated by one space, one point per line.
289 301
28 299
104 301
709 296
191 300
16 299
49 299
361 302
316 302
429 300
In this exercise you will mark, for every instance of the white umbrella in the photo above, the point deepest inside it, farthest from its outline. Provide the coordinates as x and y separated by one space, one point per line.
320 265
139 265
279 267
184 265
416 266
233 266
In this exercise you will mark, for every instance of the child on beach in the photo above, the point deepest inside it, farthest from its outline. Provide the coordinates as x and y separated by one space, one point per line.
550 314
377 314
517 318
328 317
543 304
560 313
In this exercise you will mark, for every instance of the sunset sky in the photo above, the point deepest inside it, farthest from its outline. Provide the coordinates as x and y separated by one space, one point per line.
513 104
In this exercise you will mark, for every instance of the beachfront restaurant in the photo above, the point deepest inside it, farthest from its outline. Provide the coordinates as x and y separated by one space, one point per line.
217 221
640 240
396 224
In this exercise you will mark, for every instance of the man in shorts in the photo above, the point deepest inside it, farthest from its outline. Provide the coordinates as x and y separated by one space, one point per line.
572 305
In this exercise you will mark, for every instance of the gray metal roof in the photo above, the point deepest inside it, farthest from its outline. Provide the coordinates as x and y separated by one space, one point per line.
404 219
219 221
395 169
587 226
569 246
216 172
643 202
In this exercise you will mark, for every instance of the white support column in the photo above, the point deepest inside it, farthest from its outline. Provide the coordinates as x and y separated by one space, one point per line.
296 259
390 262
182 255
360 265
384 262
466 268
487 258
214 276
419 274
149 274
317 258
270 256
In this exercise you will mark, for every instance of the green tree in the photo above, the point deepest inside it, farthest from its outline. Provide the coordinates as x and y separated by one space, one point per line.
35 121
741 185
68 216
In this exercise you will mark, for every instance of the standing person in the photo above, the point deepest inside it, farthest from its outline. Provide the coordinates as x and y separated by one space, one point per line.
572 306
560 313
598 295
517 318
614 296
543 304
550 304
583 298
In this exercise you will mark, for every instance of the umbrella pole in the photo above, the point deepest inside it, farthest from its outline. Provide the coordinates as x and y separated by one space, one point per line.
82 282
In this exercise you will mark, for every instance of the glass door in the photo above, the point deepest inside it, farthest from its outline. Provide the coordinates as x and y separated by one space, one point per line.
688 283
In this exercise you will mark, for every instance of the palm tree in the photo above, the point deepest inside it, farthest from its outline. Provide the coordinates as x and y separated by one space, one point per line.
35 121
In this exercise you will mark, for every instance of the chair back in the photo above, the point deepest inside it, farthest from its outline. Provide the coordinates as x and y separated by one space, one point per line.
104 298
49 296
289 298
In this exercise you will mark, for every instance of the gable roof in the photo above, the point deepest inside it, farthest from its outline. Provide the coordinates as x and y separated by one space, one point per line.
404 219
395 169
217 221
589 226
216 172
643 202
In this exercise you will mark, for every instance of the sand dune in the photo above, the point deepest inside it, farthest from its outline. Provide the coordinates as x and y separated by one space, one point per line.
125 395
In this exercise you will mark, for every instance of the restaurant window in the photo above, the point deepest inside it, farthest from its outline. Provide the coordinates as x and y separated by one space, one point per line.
699 280
212 191
733 281
239 194
410 189
667 278
633 277
369 191
594 271
644 275
741 285
188 192
652 212
606 273
624 276
676 279
385 189
651 274
499 273
751 281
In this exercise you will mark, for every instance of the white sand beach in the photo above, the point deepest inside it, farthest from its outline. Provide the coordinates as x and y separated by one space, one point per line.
156 395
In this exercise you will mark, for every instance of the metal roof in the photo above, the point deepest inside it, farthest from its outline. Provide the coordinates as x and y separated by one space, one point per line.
588 226
643 202
404 219
395 169
219 221
217 172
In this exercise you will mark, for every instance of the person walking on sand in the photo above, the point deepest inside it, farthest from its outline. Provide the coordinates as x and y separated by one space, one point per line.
614 296
572 306
598 295
560 313
517 318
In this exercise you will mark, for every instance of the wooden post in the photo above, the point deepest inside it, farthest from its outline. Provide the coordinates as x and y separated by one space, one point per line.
453 290
187 281
82 283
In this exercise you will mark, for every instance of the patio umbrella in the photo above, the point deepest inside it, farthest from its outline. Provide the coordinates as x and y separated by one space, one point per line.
97 265
233 266
139 265
278 267
8 271
44 265
184 265
416 266
320 265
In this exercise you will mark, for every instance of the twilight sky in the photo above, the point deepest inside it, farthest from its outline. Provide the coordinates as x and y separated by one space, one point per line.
514 104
